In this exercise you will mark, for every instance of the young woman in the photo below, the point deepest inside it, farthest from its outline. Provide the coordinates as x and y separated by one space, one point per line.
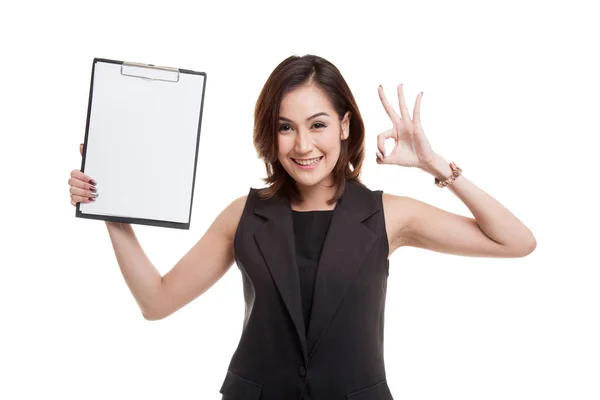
313 245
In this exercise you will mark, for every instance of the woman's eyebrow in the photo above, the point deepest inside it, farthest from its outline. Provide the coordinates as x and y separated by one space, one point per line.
309 118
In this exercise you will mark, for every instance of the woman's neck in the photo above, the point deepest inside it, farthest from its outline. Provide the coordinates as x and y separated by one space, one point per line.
315 197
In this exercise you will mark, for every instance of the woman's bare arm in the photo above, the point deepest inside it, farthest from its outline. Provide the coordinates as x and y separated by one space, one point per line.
493 232
200 268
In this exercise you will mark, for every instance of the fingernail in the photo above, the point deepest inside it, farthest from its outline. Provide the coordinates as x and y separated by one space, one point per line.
92 182
94 195
93 189
92 199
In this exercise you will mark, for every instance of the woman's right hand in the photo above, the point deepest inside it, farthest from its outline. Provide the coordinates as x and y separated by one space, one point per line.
83 187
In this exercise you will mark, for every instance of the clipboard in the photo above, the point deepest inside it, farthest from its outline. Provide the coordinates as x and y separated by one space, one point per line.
141 143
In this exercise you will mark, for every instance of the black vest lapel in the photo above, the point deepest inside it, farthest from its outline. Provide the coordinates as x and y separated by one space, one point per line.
275 239
347 244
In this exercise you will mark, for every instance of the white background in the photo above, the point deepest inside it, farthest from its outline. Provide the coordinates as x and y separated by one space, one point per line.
510 94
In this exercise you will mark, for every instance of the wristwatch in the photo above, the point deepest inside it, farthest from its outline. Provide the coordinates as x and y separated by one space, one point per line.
456 170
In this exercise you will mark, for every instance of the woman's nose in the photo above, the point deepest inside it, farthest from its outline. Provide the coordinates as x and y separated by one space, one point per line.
303 143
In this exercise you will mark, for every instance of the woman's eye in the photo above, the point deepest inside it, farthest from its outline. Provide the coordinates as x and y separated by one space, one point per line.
286 127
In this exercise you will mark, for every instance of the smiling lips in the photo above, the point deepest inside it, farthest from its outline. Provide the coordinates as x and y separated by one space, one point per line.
307 162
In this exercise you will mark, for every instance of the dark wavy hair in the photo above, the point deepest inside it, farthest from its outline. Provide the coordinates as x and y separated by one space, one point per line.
292 72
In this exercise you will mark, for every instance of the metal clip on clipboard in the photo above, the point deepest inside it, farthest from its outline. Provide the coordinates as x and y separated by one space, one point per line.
150 72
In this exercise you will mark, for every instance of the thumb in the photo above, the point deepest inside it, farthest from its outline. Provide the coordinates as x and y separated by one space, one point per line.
81 149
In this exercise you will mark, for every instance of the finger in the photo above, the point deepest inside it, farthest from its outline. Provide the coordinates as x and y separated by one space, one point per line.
77 174
403 108
381 138
77 199
76 183
386 105
81 149
81 199
83 192
417 110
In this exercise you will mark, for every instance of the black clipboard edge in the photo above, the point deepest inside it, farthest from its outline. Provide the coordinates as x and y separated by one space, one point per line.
129 220
137 221
198 137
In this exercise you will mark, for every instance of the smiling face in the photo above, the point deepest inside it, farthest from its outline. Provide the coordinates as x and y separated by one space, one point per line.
309 135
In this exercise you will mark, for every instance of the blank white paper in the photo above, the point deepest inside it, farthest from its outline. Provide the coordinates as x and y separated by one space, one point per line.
141 145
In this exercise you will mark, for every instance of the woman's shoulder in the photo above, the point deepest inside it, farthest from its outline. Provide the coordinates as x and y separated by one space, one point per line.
396 204
373 194
231 214
240 204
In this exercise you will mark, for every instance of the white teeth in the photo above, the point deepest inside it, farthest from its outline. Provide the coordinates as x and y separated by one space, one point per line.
308 162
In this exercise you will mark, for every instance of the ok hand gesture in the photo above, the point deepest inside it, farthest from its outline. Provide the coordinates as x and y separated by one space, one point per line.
412 149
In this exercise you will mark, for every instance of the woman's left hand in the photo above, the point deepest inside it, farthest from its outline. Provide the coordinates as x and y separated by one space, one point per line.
411 149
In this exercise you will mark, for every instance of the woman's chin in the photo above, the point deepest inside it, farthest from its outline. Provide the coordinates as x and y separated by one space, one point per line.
308 180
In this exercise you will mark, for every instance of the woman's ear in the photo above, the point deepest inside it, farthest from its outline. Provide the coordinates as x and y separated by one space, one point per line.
346 125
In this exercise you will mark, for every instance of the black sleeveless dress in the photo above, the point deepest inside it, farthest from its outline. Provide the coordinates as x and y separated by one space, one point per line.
310 231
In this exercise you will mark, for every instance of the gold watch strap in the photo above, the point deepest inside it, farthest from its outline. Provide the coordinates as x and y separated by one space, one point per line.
456 171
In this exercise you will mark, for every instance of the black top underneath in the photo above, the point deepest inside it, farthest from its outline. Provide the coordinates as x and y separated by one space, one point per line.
310 230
